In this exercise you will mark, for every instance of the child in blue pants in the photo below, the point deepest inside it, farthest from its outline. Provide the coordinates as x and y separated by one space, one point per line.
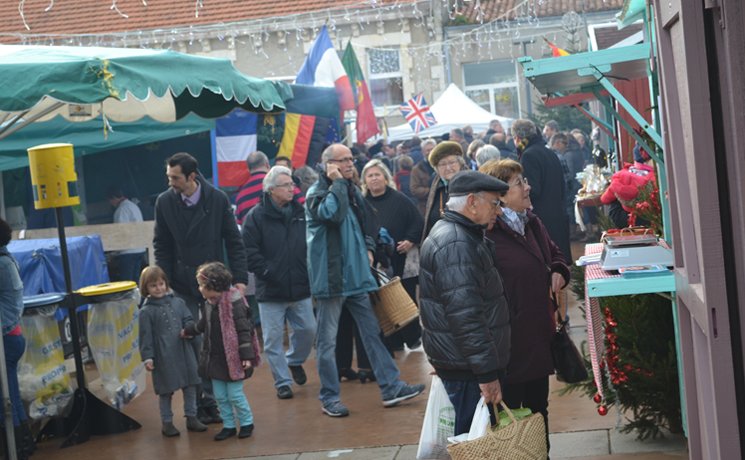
230 348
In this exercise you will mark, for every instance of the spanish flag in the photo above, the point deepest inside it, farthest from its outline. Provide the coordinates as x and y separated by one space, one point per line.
555 50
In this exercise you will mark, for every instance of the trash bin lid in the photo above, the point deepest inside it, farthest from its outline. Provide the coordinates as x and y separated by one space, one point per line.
106 288
43 300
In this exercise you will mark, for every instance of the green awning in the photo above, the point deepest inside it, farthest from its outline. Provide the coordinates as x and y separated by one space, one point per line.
39 83
88 137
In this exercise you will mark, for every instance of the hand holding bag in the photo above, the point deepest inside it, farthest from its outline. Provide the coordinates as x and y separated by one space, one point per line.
523 439
568 362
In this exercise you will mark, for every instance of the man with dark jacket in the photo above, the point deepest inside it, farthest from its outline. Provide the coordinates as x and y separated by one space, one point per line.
341 242
543 170
464 312
192 222
274 236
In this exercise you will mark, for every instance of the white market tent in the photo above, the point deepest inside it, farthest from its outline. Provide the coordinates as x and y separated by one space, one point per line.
452 109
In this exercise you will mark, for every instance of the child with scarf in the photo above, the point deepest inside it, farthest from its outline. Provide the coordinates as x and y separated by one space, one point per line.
230 350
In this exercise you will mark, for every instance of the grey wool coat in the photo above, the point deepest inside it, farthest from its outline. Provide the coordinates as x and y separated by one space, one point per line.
161 321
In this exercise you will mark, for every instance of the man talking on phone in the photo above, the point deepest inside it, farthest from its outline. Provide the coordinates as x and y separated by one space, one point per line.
341 240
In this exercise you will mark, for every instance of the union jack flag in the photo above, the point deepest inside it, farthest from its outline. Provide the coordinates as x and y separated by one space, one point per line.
417 113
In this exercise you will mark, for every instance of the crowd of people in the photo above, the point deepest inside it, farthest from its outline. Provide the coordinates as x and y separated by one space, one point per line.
476 226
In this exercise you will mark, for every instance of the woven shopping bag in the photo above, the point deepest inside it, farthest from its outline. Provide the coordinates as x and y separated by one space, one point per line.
392 304
523 439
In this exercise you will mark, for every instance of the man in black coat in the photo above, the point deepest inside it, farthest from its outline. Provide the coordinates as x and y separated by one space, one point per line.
542 169
464 312
274 236
193 221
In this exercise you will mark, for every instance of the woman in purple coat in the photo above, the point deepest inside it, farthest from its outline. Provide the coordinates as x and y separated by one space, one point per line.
532 268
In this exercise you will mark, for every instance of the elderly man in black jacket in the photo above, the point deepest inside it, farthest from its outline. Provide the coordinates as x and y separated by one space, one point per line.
192 221
274 236
464 312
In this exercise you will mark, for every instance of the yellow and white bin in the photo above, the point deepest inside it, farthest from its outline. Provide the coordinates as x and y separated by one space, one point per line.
113 337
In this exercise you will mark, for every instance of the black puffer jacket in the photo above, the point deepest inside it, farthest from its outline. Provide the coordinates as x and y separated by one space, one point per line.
276 250
464 312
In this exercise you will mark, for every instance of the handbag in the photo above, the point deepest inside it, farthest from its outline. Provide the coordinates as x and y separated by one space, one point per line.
391 303
568 362
523 439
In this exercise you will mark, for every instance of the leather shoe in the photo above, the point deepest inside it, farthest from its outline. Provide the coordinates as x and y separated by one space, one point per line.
214 414
284 392
298 375
246 431
224 434
348 374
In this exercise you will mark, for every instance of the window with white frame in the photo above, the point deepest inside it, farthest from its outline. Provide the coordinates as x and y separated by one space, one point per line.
494 86
385 79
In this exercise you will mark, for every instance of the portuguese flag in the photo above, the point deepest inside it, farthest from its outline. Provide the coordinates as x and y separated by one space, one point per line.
367 124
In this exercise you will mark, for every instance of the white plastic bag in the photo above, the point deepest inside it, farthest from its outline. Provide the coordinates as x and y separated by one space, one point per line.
438 425
480 422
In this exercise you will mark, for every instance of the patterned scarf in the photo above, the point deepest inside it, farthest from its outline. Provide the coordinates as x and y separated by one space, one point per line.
515 220
229 334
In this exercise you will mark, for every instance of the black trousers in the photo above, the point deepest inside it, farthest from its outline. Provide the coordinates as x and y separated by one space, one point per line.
532 394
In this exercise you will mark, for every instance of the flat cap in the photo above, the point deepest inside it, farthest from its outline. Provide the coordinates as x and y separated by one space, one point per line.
466 182
444 149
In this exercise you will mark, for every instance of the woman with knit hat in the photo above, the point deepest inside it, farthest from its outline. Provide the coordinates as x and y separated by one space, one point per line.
447 159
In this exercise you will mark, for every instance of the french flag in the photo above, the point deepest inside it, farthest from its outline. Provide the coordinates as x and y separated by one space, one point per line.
323 67
233 138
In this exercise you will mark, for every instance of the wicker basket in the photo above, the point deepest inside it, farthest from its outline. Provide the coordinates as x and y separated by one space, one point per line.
523 439
393 306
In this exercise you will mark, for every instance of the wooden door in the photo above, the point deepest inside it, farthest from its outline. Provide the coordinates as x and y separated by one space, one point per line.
706 261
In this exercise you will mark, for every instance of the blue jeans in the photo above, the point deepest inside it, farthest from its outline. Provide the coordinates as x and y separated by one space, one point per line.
15 346
465 396
302 322
383 366
230 396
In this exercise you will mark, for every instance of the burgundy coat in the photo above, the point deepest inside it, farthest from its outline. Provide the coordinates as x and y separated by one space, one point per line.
526 265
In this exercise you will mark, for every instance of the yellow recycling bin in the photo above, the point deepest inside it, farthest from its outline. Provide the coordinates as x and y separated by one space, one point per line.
53 176
113 337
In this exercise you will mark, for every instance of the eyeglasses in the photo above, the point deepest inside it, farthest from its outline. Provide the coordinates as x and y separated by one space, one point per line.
343 160
448 164
520 182
289 185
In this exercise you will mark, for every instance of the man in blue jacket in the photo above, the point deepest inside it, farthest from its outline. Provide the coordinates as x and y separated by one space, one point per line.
340 237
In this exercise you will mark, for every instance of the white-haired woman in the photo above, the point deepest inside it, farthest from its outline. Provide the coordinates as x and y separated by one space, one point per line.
400 217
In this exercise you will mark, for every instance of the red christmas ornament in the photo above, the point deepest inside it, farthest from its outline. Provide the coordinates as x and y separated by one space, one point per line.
597 398
602 410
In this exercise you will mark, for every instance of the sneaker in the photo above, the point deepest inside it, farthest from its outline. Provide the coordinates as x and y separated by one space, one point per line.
284 392
225 433
416 344
246 431
406 392
298 374
169 430
335 409
193 424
